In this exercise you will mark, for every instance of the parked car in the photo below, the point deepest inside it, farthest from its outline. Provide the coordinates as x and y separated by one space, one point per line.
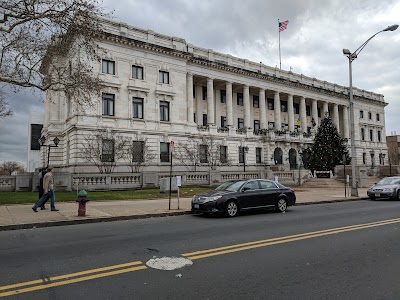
233 197
388 187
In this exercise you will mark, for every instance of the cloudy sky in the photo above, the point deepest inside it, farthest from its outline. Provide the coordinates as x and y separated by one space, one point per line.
311 45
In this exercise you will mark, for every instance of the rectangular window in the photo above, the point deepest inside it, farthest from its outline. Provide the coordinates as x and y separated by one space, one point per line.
377 117
223 121
223 154
163 77
164 111
364 158
296 108
204 92
36 133
108 67
361 114
362 134
319 112
194 117
270 103
223 96
379 136
108 104
240 123
137 104
137 151
256 125
308 110
164 152
204 119
194 91
137 72
369 115
203 154
256 101
284 107
371 135
239 99
107 151
258 155
241 155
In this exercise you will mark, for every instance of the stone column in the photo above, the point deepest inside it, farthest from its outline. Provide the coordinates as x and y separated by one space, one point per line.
336 116
189 93
346 133
263 111
246 105
277 111
199 96
229 114
325 109
303 116
210 101
314 112
290 112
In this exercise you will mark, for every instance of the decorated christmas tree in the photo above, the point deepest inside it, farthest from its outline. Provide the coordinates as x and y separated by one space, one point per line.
328 148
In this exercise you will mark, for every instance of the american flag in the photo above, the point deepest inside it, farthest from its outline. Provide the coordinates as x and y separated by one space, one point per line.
283 25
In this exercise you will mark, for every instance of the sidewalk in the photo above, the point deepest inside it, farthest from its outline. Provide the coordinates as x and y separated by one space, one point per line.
22 216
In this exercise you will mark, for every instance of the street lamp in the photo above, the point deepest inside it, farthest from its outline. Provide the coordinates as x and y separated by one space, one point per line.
351 57
42 140
300 164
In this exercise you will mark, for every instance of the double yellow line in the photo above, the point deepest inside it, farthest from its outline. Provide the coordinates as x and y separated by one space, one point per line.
40 284
285 239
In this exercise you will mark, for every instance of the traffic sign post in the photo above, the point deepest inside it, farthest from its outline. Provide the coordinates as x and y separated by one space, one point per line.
178 184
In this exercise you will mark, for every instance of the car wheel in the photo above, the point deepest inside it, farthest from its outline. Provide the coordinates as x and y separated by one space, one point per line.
281 205
231 208
398 195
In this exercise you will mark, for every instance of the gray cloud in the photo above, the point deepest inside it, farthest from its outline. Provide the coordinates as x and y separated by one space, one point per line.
312 44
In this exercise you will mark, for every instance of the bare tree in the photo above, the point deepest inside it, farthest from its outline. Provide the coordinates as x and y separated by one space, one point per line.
5 111
37 37
137 154
206 151
103 150
8 167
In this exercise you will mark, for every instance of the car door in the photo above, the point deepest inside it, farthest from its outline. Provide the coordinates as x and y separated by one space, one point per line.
248 196
269 192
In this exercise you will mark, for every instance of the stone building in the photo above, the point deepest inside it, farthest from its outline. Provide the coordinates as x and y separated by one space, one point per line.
159 89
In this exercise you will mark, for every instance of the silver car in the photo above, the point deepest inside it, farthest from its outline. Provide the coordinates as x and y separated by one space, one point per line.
388 187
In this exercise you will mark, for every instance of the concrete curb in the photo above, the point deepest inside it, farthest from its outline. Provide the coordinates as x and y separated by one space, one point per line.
146 216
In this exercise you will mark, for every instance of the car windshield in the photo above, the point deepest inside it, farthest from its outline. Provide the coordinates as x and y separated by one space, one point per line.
231 186
386 181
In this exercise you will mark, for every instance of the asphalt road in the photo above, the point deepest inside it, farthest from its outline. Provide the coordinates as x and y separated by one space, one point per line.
326 251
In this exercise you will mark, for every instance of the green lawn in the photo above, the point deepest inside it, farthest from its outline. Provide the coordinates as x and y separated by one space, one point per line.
32 197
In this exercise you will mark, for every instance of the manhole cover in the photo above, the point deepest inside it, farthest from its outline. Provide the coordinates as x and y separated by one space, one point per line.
168 263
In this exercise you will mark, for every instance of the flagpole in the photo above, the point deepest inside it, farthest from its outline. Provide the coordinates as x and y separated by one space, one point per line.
280 60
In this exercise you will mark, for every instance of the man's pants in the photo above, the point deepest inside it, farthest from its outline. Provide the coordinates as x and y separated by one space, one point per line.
42 200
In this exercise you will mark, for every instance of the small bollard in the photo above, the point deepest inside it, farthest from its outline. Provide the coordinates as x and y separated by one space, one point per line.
82 199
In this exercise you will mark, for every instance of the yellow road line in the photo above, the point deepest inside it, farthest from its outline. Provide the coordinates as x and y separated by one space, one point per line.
79 279
262 243
39 281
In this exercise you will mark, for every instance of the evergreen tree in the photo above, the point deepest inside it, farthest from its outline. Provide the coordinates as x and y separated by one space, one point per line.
328 148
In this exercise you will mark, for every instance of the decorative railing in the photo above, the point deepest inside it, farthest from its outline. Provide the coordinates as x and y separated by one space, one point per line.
241 130
202 127
261 131
194 178
223 129
280 132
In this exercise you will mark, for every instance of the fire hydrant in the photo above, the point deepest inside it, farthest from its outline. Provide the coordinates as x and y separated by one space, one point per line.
82 200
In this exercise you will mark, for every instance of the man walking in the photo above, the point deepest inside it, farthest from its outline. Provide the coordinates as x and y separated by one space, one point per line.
48 190
42 172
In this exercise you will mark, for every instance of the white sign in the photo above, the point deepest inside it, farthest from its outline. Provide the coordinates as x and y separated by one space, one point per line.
347 178
178 181
276 179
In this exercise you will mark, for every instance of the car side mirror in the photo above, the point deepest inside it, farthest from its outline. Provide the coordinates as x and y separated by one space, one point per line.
246 188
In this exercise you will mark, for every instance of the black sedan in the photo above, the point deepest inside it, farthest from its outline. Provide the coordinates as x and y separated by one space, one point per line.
234 196
388 187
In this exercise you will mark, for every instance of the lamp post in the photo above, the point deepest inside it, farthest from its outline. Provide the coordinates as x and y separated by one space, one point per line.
245 150
300 165
351 57
42 140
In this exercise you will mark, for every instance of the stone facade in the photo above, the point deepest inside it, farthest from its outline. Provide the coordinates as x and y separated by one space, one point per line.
161 89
